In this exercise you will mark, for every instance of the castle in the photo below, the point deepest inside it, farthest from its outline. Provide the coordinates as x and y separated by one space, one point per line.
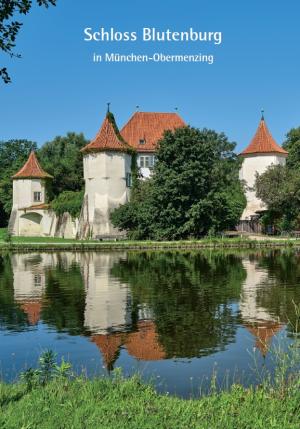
107 162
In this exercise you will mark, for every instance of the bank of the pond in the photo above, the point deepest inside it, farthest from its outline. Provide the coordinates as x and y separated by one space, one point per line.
70 245
120 403
54 243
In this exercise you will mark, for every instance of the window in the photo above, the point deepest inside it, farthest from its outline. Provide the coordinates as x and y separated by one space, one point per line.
147 161
142 141
37 197
128 180
37 280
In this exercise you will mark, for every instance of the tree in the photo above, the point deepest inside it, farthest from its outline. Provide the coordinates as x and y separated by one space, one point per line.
9 28
194 189
292 145
63 160
13 155
68 201
279 189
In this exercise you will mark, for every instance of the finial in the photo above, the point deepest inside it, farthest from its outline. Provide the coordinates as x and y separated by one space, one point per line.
137 107
108 104
176 108
262 115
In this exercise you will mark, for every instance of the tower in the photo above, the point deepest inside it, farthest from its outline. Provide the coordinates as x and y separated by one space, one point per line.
107 174
29 200
261 153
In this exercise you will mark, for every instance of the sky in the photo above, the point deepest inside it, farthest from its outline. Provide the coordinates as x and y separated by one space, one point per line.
56 87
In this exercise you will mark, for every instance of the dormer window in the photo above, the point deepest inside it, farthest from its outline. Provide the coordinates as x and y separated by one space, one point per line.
142 141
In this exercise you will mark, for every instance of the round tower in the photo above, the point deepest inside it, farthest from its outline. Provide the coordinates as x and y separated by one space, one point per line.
29 199
107 174
262 152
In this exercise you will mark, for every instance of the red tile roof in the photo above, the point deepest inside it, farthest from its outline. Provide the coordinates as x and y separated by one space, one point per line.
263 142
41 206
32 170
33 310
144 344
150 127
263 332
108 138
109 344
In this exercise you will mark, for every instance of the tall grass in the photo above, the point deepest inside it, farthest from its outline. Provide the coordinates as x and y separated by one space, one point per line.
51 397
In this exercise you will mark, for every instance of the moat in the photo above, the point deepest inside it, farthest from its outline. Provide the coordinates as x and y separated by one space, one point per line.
173 316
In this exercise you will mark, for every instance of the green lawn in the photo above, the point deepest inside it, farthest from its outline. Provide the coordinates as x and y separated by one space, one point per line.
32 243
120 404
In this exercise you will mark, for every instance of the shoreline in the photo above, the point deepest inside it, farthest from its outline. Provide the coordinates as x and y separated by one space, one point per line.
27 244
119 403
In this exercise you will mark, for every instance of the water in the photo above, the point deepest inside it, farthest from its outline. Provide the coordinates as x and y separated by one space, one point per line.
173 316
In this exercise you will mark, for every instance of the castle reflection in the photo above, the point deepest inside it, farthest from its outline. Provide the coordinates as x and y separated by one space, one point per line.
153 306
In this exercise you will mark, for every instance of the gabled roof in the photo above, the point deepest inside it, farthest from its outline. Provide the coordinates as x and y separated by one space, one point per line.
32 170
108 138
149 127
263 142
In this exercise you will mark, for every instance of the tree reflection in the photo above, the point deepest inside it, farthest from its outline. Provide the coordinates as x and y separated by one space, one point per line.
189 296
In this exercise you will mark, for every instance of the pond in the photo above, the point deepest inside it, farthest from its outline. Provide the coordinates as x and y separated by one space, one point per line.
175 317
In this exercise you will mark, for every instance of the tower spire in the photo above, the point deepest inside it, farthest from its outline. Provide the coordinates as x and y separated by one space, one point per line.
108 110
262 114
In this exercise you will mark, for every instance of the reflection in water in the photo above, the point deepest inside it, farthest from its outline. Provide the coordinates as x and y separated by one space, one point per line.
107 301
257 319
151 306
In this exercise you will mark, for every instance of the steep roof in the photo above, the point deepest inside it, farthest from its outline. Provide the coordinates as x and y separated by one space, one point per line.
263 333
263 142
109 344
32 170
33 310
108 138
149 127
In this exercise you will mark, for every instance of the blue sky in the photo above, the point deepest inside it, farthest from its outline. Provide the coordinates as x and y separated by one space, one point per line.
57 88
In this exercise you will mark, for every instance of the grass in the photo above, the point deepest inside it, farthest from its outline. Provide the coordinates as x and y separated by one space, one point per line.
55 243
128 403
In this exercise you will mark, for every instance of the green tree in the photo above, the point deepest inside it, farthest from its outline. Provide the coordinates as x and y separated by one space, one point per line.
68 201
9 28
279 187
62 159
194 189
292 145
13 155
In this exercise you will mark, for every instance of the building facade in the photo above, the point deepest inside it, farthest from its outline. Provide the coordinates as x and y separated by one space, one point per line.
261 153
108 161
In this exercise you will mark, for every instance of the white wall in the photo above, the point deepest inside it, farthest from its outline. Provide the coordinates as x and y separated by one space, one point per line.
23 191
253 164
105 189
107 300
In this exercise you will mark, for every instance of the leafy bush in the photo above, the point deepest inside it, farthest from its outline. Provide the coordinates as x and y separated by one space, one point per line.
68 201
48 370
